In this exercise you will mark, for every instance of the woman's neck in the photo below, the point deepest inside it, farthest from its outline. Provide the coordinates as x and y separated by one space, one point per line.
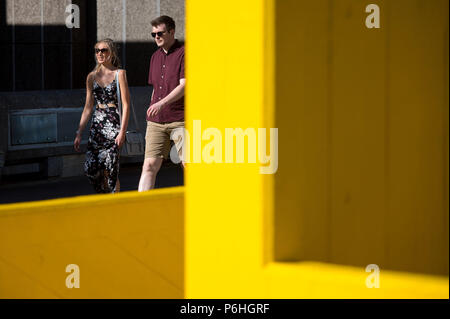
108 66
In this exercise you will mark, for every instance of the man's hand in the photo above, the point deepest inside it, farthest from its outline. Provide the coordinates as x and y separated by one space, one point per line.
120 139
154 109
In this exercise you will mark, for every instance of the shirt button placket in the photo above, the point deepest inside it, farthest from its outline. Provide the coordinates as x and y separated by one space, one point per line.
163 67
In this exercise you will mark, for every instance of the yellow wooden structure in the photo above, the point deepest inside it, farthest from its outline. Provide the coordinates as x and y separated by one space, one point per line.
362 118
126 246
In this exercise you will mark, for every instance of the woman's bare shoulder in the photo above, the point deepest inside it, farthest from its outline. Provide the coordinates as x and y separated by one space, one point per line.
123 74
90 80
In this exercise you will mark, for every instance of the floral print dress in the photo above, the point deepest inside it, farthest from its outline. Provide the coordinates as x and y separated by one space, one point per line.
102 156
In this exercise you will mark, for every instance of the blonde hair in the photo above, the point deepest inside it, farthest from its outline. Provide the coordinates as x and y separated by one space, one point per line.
113 54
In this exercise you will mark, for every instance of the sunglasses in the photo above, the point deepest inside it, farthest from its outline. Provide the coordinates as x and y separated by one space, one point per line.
159 34
101 50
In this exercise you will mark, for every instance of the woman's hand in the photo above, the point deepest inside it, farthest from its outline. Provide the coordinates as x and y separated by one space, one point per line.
120 139
77 142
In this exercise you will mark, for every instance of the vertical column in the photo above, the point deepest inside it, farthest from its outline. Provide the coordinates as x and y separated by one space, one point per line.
42 46
302 62
28 50
139 43
13 46
7 45
124 33
357 127
56 45
418 227
82 42
68 2
224 201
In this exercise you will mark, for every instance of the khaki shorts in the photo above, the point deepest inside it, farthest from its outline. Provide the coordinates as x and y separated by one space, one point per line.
157 139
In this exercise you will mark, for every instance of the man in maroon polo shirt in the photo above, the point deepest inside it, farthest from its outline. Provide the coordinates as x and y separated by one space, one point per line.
166 111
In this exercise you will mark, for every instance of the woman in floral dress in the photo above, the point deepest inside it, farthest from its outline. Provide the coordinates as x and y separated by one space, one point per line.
107 132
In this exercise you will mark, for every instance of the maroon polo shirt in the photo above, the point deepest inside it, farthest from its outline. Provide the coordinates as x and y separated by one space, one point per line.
164 75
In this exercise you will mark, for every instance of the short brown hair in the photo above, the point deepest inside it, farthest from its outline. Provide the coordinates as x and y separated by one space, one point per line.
168 21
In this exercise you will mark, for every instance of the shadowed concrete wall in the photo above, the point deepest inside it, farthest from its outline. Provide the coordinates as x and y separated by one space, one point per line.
57 100
36 45
41 53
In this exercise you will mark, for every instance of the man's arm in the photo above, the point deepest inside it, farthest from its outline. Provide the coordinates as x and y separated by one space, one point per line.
153 93
176 94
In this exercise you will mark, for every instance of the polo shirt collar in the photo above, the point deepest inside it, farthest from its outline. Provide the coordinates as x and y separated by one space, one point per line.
174 46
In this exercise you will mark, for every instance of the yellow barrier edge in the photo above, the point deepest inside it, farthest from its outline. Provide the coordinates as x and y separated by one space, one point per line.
330 281
95 199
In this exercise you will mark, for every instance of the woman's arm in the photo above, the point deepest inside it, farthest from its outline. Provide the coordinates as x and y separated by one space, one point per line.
87 111
126 105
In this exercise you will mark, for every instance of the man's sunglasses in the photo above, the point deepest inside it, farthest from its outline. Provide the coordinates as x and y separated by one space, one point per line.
159 34
101 50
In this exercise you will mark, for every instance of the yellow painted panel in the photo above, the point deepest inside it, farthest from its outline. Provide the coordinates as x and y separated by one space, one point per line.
357 135
302 66
336 81
223 201
13 288
417 119
127 245
325 280
230 210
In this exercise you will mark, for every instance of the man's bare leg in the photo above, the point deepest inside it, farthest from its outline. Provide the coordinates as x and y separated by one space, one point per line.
150 169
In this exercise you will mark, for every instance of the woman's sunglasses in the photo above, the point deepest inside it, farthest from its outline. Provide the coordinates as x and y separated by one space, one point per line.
101 50
159 34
